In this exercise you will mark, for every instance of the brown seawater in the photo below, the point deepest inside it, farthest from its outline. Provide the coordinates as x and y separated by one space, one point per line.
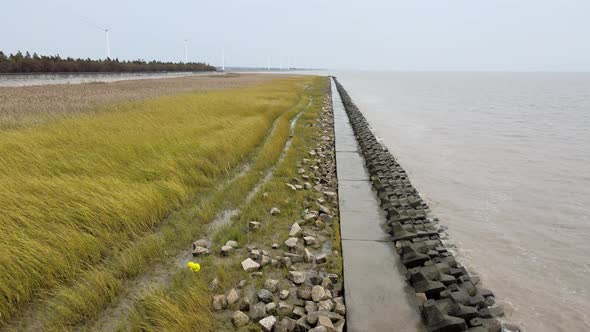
503 159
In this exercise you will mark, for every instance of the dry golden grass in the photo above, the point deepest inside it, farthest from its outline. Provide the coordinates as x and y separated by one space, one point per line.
77 189
25 106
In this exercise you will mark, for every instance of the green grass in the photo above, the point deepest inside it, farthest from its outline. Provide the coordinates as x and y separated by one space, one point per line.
82 200
165 308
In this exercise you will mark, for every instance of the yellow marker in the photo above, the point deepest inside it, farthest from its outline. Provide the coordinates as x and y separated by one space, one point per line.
195 267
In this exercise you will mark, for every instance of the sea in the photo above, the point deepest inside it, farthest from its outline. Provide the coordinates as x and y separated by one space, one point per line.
503 159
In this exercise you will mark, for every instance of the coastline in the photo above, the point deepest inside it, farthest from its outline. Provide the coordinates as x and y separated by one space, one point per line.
450 297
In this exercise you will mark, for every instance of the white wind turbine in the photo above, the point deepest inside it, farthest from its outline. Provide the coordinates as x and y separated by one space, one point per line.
108 42
186 51
223 59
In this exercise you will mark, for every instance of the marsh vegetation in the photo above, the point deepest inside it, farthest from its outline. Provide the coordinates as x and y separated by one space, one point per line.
105 180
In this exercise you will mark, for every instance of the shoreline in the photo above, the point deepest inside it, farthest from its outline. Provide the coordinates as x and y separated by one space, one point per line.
450 297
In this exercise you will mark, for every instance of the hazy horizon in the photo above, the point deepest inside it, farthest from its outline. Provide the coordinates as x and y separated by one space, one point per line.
459 35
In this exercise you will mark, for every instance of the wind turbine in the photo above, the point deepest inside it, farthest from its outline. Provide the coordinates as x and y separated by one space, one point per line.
108 43
223 59
268 63
186 51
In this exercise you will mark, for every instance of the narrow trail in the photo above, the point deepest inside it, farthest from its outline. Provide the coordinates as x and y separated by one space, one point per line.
160 274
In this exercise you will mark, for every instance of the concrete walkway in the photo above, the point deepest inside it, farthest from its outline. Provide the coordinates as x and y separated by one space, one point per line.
376 293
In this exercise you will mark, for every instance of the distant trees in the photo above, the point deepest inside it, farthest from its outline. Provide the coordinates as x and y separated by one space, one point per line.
27 63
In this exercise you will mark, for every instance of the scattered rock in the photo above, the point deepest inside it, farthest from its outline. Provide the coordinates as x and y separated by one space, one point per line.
264 295
326 218
304 292
330 195
292 187
302 325
333 277
298 312
249 265
226 250
267 323
271 308
315 278
239 319
291 242
295 230
320 224
310 306
284 308
254 225
201 243
307 256
245 304
339 307
295 258
232 296
219 302
284 294
326 305
271 284
321 258
327 283
324 210
310 240
318 293
326 322
232 244
319 329
274 211
257 311
339 325
309 217
214 284
241 284
286 325
276 246
265 260
200 251
255 254
297 277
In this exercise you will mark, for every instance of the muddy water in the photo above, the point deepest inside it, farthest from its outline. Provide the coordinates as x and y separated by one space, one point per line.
504 160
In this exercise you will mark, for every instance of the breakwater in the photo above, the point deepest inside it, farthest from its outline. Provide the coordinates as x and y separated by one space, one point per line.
451 298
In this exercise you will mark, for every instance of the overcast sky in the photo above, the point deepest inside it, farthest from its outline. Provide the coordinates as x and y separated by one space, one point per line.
335 34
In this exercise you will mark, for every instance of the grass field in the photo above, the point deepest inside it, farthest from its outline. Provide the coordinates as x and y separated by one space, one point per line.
185 304
87 200
32 105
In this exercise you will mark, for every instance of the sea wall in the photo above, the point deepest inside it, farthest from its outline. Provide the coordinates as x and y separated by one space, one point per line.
451 299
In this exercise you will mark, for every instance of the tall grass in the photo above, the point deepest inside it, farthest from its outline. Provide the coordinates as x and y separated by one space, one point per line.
165 309
77 190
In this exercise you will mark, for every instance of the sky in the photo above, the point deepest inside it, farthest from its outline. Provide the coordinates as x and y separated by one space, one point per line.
505 35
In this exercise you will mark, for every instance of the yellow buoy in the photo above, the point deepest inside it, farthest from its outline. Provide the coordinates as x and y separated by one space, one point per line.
195 267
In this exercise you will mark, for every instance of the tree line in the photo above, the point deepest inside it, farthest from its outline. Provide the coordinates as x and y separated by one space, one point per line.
27 63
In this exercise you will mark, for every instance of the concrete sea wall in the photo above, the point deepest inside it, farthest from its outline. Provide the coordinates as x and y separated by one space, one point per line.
450 298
